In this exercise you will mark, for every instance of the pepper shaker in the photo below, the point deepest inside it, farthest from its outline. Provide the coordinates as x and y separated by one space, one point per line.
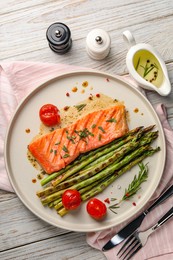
98 44
59 37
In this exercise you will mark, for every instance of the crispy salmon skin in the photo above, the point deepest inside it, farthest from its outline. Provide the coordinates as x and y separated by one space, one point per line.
53 151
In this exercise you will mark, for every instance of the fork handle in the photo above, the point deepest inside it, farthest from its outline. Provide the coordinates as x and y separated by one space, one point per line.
164 219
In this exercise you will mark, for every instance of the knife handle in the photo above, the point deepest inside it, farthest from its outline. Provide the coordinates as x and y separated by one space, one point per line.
165 218
161 199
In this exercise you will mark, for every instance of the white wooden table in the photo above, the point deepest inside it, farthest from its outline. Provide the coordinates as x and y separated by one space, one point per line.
23 26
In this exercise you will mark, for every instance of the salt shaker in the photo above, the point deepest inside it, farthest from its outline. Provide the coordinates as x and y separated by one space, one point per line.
59 37
98 44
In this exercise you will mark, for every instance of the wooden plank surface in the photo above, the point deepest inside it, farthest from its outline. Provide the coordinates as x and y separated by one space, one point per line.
23 26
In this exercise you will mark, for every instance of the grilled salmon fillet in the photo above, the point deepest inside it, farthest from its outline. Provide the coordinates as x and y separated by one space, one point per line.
55 150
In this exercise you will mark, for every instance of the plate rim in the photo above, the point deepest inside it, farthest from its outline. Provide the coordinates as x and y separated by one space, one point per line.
50 81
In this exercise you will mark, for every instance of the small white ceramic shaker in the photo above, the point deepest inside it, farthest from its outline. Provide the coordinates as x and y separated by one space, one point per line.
98 44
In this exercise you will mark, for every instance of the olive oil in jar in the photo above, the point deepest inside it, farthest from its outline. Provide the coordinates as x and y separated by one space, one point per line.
148 67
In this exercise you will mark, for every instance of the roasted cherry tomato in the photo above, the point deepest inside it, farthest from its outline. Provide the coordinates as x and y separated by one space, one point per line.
71 199
49 115
96 208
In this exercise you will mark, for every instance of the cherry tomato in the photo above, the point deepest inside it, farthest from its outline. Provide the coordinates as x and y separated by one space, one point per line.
71 199
49 115
96 208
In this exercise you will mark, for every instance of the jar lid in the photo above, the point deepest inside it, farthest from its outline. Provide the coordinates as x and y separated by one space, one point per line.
59 37
98 44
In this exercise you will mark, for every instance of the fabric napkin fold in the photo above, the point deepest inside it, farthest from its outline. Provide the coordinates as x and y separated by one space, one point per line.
17 79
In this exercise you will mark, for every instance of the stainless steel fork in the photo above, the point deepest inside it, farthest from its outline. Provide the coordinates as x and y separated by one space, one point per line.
138 239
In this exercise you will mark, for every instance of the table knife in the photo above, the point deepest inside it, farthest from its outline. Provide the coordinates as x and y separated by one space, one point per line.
133 225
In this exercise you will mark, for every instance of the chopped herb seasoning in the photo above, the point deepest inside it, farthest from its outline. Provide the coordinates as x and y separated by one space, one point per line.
55 152
100 137
71 138
93 126
51 151
83 133
80 107
111 120
64 148
66 155
57 143
101 128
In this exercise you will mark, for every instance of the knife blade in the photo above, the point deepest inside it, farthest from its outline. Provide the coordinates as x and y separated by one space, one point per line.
133 225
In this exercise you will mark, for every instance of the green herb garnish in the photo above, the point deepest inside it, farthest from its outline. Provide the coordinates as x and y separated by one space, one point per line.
64 148
80 107
71 138
137 65
101 128
100 137
133 187
66 155
111 120
93 126
84 133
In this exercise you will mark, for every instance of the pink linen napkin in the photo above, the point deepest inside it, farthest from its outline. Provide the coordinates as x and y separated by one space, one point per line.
17 79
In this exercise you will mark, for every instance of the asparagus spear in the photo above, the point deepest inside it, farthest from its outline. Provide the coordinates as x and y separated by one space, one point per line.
104 162
90 159
85 189
105 172
88 173
107 181
99 188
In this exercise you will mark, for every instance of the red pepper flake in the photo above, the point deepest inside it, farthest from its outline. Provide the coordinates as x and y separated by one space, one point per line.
107 200
34 180
67 94
127 194
98 95
107 80
134 204
66 108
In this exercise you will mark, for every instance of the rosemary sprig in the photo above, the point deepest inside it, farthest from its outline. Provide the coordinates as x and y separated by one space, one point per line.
137 65
133 187
114 207
148 69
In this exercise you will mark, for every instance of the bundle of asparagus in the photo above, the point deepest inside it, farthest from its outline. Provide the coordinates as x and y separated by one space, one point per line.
92 172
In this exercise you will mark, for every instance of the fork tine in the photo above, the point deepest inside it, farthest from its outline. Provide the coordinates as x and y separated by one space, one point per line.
134 252
130 247
125 244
